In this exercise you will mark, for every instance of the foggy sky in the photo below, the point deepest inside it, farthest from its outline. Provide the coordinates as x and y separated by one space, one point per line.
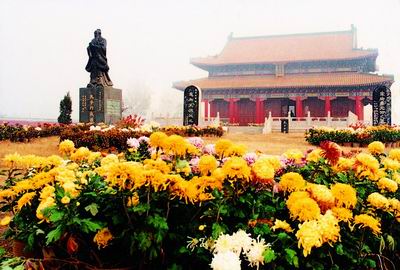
43 43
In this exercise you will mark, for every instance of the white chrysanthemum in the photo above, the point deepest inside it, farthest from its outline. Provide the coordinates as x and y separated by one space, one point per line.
255 253
225 261
241 240
223 243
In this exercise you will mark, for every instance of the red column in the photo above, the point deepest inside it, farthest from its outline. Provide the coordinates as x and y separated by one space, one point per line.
299 107
236 111
327 105
231 110
258 109
205 108
212 110
359 109
262 111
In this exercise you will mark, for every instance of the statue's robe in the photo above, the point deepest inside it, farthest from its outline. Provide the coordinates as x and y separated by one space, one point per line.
97 64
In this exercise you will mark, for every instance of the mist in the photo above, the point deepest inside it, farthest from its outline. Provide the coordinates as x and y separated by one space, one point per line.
43 44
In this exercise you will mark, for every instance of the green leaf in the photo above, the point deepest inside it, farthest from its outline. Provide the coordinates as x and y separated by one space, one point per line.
339 249
54 235
269 255
217 229
31 240
56 215
391 242
2 251
291 257
88 225
92 208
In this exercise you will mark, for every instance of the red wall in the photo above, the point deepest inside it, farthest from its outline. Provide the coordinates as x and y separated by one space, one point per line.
315 106
221 106
341 106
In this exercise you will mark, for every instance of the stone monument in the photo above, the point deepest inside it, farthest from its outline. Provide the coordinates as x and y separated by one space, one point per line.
99 101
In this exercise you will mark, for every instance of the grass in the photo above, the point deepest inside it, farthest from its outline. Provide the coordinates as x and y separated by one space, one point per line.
274 144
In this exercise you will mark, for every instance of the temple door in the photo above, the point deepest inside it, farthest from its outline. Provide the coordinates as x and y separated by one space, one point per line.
246 111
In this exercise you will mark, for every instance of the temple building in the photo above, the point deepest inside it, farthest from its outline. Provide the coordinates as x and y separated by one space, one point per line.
291 74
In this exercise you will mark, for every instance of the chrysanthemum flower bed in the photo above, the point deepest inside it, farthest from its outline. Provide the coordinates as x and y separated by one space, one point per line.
24 133
111 137
362 135
175 203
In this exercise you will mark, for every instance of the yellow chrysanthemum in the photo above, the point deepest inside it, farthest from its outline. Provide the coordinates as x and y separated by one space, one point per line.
308 236
45 203
395 154
322 195
125 175
207 164
315 233
365 221
103 237
65 200
54 160
7 193
81 154
274 161
263 170
184 189
396 178
157 164
367 166
93 156
133 200
314 155
236 150
25 199
329 227
376 147
153 178
12 160
47 191
294 154
109 159
344 164
5 220
236 167
176 145
387 184
345 195
219 174
304 209
282 225
205 182
342 214
377 200
394 205
66 147
292 181
221 146
295 196
157 139
391 164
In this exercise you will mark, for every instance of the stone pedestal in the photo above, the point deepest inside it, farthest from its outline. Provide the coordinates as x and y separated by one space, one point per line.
100 104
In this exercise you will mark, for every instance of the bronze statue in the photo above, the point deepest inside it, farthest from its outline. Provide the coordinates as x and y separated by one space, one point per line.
97 64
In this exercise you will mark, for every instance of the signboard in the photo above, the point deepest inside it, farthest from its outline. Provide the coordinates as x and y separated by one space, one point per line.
113 107
381 106
191 106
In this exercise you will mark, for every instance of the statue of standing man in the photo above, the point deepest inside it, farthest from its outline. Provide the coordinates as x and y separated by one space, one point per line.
97 64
